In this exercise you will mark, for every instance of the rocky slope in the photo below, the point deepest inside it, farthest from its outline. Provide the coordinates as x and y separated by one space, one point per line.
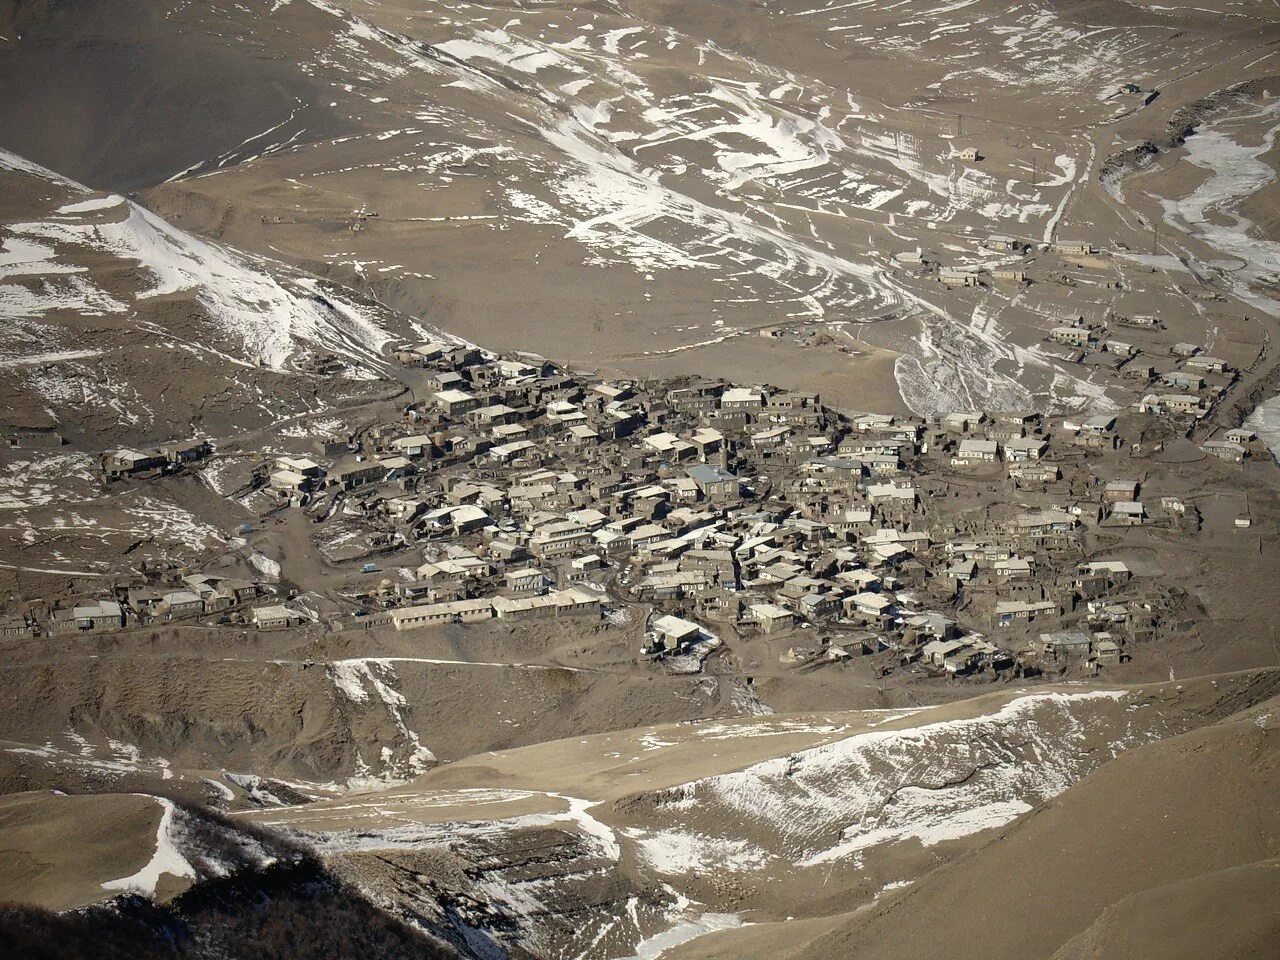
130 328
612 842
1167 850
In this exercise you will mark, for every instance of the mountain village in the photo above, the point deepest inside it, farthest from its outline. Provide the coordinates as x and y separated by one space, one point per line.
968 544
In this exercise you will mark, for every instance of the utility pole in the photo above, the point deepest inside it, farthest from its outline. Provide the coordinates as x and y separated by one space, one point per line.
1035 170
1155 237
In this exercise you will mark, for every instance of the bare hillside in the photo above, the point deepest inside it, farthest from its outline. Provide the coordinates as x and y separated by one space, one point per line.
1122 852
656 479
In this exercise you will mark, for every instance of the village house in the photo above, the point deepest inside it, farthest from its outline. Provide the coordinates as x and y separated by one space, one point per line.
1072 336
275 617
672 634
708 442
1120 348
1013 568
1183 380
121 463
442 380
1004 244
1180 403
1127 513
571 602
559 539
891 494
1043 522
526 581
185 451
714 483
179 603
433 614
1009 274
743 398
1063 645
870 606
13 627
455 403
32 437
99 615
1117 490
413 447
1203 364
958 277
1009 613
1035 472
1073 248
675 585
770 617
1022 449
973 451
349 476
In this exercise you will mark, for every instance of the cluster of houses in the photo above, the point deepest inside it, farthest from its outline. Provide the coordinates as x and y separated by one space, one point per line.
528 492
1181 380
524 491
1011 269
168 456
186 597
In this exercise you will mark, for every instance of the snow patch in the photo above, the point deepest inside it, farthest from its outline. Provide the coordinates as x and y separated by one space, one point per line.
167 859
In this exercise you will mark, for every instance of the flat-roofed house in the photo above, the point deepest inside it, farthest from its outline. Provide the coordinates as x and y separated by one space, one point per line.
1065 645
1206 364
770 617
674 633
1183 403
418 445
186 451
527 580
975 451
1225 450
742 398
99 615
958 277
1022 449
1074 248
276 616
1004 244
559 538
455 403
120 463
715 484
431 614
1012 612
1072 336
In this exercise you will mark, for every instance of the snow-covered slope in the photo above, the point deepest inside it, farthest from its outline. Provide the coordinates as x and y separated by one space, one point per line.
942 780
256 318
644 187
550 851
659 188
117 326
